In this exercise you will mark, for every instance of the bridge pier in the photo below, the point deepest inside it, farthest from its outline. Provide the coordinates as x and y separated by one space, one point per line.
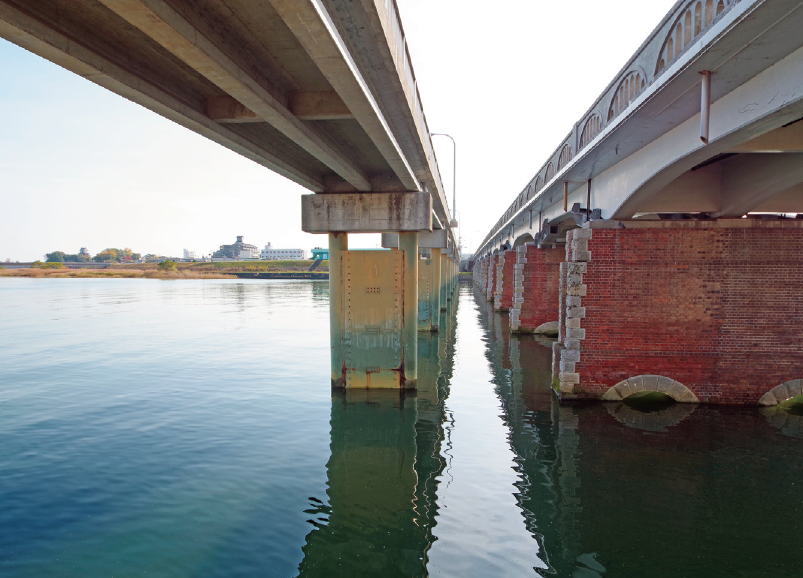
451 282
373 294
535 289
505 280
704 311
490 286
436 289
433 275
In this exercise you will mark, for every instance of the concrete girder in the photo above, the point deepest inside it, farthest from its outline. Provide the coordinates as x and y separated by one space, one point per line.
320 105
173 32
786 139
733 186
788 201
49 43
314 29
750 181
359 23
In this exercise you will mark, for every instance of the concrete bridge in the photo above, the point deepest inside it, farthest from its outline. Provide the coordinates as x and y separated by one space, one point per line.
319 91
662 241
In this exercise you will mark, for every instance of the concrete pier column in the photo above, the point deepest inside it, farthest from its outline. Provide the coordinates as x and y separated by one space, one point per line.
448 280
408 243
338 244
374 294
452 279
435 290
444 281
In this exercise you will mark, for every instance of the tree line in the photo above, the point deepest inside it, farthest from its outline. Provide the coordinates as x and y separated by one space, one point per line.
109 255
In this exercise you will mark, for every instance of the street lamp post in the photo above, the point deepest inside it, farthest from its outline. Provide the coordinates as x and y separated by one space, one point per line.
454 176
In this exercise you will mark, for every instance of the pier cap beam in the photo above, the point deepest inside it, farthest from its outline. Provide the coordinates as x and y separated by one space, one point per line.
366 212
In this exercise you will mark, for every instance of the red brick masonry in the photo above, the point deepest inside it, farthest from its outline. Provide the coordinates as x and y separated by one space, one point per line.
715 306
504 297
539 279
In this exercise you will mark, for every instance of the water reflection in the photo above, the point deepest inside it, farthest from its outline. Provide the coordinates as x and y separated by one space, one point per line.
153 428
382 475
683 491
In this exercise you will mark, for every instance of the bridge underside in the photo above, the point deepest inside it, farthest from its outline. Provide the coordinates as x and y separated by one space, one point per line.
319 91
279 82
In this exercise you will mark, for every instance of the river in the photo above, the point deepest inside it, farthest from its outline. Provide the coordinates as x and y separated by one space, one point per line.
187 428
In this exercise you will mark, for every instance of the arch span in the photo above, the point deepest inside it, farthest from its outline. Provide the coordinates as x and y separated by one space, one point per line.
670 387
525 238
781 393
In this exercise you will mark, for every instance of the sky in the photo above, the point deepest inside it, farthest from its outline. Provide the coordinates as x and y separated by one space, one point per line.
83 167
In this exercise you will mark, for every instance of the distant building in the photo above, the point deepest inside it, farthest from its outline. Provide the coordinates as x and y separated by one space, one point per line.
84 252
190 254
271 254
320 254
236 251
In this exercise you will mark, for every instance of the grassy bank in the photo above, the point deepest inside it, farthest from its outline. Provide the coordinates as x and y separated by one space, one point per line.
255 266
222 270
112 273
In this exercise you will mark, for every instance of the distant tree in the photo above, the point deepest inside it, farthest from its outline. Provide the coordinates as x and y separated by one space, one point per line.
77 258
55 257
109 255
167 266
37 265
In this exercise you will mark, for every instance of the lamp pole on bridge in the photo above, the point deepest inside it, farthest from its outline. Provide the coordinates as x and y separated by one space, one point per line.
454 175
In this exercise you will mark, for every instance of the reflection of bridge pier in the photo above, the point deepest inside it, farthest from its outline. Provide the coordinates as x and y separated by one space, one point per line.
594 475
383 473
370 525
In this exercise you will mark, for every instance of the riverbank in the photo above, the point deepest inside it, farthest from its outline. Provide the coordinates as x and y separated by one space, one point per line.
221 270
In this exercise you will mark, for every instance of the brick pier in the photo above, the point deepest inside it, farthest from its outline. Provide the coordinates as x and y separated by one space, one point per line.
505 277
708 311
535 288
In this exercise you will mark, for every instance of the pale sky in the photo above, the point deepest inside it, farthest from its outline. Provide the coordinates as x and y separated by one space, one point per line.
82 167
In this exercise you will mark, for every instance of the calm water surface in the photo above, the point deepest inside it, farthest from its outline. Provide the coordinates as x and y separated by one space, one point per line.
187 428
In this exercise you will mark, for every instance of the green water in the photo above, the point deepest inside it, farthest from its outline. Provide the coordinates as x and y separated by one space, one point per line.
187 428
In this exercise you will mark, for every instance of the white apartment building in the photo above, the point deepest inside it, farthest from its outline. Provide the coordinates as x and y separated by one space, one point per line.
271 254
189 254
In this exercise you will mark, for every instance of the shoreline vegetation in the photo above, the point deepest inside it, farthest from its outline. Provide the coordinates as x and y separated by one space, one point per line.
199 270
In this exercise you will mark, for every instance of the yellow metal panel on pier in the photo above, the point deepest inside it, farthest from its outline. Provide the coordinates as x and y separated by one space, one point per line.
374 284
424 288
